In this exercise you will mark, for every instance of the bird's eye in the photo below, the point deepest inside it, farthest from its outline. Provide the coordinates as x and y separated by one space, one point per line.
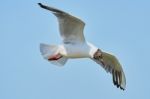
100 56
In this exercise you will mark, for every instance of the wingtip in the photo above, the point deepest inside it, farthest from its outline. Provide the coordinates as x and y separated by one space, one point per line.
40 4
122 88
119 86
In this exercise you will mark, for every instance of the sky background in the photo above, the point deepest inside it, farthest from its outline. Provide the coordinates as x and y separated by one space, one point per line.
121 27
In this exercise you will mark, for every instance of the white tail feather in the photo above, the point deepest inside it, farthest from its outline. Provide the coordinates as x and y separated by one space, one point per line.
60 62
50 50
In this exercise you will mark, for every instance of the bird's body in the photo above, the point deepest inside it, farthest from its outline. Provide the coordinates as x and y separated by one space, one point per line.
83 50
75 46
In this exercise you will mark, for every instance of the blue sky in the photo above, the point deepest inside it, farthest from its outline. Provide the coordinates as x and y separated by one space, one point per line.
121 27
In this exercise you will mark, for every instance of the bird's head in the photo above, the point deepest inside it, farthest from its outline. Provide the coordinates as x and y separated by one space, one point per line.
98 56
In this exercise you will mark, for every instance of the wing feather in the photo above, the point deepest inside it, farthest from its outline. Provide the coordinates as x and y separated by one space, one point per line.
111 64
70 27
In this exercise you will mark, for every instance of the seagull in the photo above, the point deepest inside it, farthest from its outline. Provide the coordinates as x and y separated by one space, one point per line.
74 46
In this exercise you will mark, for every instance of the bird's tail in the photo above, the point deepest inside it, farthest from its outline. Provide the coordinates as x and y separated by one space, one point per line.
51 50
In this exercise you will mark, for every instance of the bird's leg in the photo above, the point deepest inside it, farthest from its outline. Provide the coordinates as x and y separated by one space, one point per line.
55 57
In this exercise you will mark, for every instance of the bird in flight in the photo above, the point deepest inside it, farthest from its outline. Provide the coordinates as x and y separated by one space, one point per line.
75 46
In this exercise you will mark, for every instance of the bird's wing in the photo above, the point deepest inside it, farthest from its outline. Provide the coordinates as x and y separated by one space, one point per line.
111 64
71 28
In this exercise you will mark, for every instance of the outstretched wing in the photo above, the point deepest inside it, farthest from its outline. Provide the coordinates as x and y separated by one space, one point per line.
111 64
71 28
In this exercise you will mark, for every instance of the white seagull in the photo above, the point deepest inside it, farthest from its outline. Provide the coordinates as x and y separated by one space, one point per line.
75 46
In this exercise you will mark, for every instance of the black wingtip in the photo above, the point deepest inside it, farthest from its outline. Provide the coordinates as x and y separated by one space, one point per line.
122 88
40 4
119 86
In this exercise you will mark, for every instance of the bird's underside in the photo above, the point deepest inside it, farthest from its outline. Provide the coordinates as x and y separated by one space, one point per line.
71 31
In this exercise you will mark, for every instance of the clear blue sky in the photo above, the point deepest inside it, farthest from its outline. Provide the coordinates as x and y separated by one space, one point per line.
121 27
